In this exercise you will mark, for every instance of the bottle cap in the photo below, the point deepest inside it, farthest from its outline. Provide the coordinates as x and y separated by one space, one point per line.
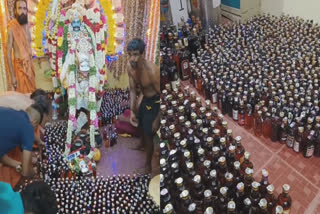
286 188
192 207
240 186
197 178
209 210
270 189
207 163
213 173
231 206
247 155
223 190
265 173
207 193
236 164
263 203
222 159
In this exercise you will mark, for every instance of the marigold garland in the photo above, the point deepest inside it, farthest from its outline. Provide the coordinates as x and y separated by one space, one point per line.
108 12
40 17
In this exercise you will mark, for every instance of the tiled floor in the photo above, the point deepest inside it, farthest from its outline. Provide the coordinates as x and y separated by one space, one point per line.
284 166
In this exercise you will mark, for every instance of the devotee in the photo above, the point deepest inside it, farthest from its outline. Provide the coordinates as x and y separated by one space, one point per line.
146 76
17 129
35 198
19 101
19 39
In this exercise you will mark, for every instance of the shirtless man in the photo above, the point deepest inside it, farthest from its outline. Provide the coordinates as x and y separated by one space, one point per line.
19 39
146 76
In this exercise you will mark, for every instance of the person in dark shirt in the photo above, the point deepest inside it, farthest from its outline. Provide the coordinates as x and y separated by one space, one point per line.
17 129
36 198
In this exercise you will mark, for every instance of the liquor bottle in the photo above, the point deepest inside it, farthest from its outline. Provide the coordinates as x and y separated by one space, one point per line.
308 149
222 202
264 182
184 62
298 142
267 126
263 206
198 190
232 207
207 202
239 150
238 177
284 199
246 163
276 126
240 196
248 120
258 126
284 131
247 206
241 119
291 134
235 109
271 200
248 179
255 196
279 210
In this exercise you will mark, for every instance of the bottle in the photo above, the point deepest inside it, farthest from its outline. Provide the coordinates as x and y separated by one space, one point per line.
248 120
264 182
222 202
241 119
271 200
284 199
298 144
255 196
184 63
235 109
284 131
240 196
258 124
267 126
246 163
247 206
239 150
291 134
232 207
279 210
309 146
263 206
207 202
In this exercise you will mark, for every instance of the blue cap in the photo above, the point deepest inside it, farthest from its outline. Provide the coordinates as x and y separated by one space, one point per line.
10 201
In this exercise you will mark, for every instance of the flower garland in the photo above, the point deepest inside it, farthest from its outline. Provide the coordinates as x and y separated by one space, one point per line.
38 27
2 65
108 11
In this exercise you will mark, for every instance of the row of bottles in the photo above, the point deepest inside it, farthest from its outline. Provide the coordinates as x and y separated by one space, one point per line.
263 89
204 168
114 103
114 194
76 193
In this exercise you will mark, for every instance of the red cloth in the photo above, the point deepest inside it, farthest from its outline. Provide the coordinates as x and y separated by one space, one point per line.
123 127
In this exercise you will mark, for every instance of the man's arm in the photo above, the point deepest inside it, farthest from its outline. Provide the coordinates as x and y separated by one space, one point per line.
27 170
133 101
38 141
9 60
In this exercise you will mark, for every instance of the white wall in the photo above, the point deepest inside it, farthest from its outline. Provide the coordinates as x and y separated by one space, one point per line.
307 9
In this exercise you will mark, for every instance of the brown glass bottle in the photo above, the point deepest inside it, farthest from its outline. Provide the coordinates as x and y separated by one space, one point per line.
263 206
222 170
197 190
207 201
255 196
241 115
248 119
246 163
223 201
239 150
284 199
291 134
271 199
267 126
248 179
264 182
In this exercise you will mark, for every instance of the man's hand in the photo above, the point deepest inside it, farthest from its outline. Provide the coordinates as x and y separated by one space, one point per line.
156 124
133 119
14 82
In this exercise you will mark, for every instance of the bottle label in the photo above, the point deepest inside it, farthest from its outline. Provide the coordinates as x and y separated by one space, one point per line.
241 119
290 140
185 66
310 151
235 114
214 98
296 146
